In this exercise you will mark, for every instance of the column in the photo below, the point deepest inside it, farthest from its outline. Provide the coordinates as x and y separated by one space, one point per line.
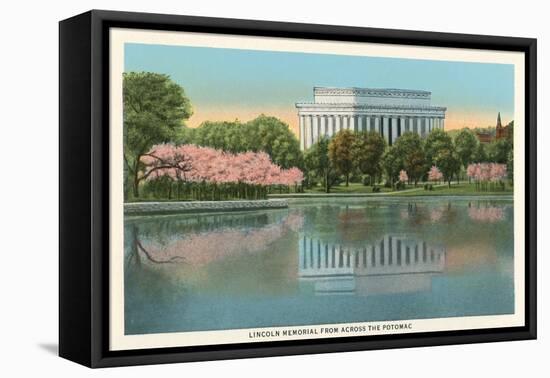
310 131
315 129
307 131
352 124
393 126
330 125
419 125
302 133
377 124
442 123
386 128
323 126
403 126
368 126
430 124
360 123
427 125
338 123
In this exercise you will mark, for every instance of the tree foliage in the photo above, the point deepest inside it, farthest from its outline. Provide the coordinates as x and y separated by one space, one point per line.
448 162
367 151
392 163
264 133
155 109
498 151
409 148
437 141
318 165
340 153
466 146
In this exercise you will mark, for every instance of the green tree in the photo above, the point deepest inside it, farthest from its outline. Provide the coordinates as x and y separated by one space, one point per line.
466 145
273 136
264 133
498 151
221 135
409 148
340 152
367 151
436 141
510 127
392 162
510 165
317 163
448 163
480 154
155 109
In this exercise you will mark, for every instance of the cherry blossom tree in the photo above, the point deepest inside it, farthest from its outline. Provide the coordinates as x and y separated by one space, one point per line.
487 175
208 173
434 174
403 176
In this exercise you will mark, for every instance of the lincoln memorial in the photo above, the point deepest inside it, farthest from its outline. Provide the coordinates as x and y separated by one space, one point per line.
390 112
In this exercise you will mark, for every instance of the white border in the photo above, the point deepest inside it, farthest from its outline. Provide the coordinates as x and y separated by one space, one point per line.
118 37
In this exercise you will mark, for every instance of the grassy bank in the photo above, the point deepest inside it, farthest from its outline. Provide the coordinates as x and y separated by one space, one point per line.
342 188
462 189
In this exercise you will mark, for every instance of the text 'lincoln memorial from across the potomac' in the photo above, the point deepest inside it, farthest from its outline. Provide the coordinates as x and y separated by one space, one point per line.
388 111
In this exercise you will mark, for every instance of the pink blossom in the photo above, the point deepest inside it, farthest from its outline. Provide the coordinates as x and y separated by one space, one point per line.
191 163
487 171
434 174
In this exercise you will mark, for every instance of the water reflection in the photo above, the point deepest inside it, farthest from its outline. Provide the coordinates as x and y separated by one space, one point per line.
319 262
490 214
211 243
394 264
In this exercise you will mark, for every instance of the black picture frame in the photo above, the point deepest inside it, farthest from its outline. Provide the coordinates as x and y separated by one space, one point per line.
84 186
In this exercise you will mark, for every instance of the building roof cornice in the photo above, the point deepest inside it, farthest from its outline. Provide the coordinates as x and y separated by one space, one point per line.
371 92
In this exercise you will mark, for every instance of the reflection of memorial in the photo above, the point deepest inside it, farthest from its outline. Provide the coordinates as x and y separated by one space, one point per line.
395 264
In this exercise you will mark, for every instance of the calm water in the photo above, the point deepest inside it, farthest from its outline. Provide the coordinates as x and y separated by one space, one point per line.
320 261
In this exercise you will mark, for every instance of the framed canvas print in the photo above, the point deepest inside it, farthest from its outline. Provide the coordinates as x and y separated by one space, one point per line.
234 188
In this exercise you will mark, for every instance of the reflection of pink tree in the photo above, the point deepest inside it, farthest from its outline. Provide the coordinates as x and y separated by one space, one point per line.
486 214
436 215
403 177
199 249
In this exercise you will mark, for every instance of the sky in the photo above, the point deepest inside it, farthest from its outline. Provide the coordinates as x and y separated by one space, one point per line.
230 84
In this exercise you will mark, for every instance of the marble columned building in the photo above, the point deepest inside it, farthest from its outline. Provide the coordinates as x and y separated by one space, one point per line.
390 112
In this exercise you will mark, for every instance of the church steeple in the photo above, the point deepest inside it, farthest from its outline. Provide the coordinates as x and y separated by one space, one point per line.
499 123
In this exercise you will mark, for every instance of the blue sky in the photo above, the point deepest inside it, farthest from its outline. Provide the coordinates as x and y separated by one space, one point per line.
232 83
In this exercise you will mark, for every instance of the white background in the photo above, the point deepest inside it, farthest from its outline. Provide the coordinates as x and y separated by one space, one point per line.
29 186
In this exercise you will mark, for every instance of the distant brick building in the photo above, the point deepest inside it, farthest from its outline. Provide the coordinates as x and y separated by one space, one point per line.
502 131
484 137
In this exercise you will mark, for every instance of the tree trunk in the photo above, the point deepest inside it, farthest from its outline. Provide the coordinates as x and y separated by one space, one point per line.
136 186
327 186
347 179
